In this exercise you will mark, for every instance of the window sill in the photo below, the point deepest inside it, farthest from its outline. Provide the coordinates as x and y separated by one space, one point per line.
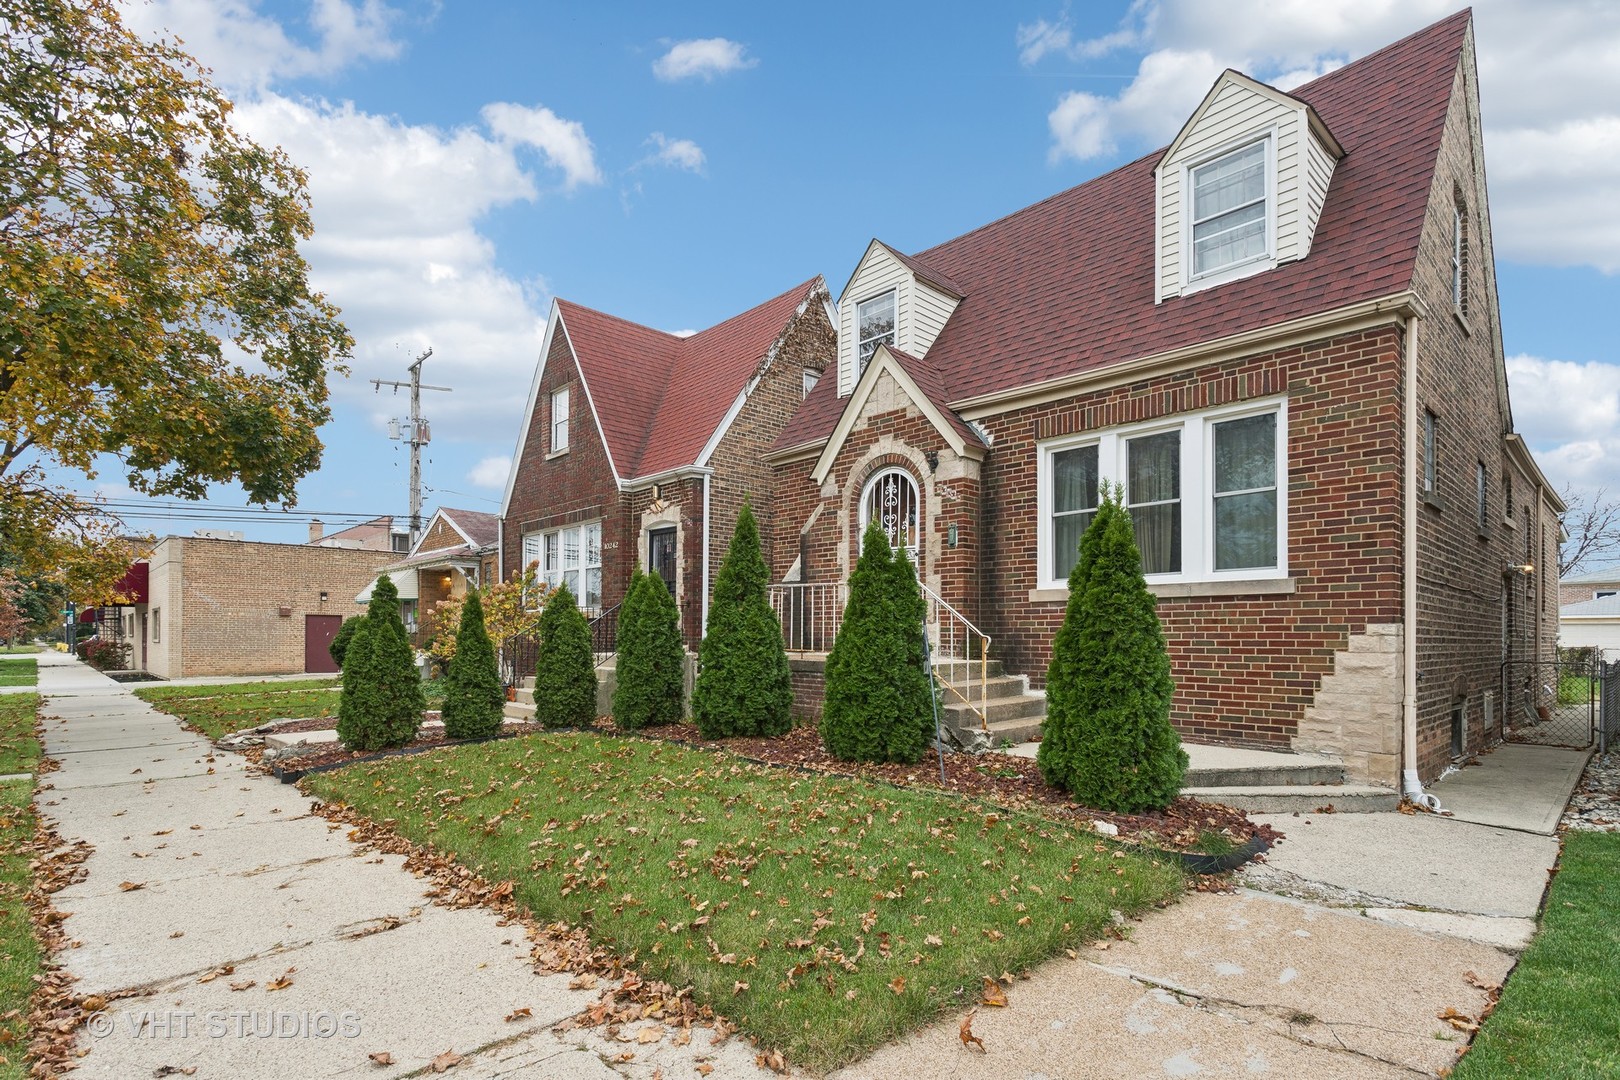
1462 321
556 454
1484 534
1432 500
1179 589
1509 523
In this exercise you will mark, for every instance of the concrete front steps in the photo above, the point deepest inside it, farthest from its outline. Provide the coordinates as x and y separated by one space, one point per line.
1012 713
522 707
1272 782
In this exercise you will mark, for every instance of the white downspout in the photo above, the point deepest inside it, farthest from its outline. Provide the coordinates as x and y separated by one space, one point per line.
500 549
1411 786
703 621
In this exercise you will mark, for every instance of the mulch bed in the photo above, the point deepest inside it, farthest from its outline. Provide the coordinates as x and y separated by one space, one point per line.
1012 782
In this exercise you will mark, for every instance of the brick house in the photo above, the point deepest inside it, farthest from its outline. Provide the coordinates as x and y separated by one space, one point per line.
1280 334
236 607
456 551
639 446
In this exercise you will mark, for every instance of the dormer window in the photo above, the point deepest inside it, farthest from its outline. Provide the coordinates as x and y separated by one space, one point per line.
874 321
1229 219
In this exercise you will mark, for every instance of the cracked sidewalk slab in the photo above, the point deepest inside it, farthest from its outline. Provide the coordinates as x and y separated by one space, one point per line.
1223 985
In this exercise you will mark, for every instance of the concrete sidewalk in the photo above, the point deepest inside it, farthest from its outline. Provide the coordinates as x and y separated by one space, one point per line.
1336 960
199 867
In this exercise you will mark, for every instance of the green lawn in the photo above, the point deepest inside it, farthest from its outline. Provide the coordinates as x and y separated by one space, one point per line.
19 950
219 710
19 746
824 915
1560 1011
18 649
19 671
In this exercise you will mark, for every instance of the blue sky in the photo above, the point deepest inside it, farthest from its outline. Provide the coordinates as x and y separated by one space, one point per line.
674 164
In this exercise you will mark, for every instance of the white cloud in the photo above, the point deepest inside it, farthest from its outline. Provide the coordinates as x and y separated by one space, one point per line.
397 246
491 473
1570 415
247 50
1549 88
676 153
563 142
702 58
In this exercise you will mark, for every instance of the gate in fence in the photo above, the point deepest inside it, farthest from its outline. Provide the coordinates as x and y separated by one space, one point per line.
1609 707
1552 702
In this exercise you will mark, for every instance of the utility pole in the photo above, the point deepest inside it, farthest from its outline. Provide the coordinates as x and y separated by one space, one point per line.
417 434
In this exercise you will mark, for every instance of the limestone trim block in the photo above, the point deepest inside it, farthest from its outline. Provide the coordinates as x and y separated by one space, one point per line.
1356 713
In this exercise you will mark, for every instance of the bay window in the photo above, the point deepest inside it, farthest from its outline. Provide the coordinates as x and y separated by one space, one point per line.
1206 493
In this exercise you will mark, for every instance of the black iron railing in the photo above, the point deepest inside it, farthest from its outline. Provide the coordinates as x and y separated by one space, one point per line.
605 634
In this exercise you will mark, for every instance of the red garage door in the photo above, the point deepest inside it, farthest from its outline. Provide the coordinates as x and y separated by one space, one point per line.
319 630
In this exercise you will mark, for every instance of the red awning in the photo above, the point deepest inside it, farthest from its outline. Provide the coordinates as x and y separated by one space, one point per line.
132 587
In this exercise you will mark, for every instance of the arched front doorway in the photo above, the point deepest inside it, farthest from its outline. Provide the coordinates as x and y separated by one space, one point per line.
890 499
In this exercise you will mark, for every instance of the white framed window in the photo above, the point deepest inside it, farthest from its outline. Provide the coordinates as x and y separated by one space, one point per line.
157 624
1230 212
810 380
874 326
890 498
559 420
1207 494
1481 500
571 556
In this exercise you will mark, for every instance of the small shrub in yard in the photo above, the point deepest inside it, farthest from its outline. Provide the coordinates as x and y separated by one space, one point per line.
565 670
651 657
381 705
1107 738
879 700
341 639
744 685
103 655
473 697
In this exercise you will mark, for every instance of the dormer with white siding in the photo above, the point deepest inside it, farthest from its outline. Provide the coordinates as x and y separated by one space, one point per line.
1241 188
891 299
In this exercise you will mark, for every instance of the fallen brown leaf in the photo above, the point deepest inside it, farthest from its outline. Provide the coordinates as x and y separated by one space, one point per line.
772 1060
381 1057
228 969
445 1061
969 1039
993 993
131 886
281 982
898 984
247 984
519 1014
1461 1021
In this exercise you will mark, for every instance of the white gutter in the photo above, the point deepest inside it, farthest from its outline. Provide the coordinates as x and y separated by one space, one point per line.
1411 785
500 549
703 621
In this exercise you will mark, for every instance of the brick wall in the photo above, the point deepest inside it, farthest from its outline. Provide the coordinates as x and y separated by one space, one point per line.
222 602
809 343
441 535
1465 599
574 486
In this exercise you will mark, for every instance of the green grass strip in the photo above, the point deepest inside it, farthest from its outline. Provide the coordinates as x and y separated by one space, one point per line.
1560 1011
824 915
19 671
218 715
20 956
19 745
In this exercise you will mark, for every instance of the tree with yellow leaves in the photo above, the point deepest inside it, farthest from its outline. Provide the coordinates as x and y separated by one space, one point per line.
154 306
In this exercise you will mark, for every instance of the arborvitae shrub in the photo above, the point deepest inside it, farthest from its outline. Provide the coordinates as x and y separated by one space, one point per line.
651 657
565 670
381 704
879 700
744 685
340 640
1107 739
473 696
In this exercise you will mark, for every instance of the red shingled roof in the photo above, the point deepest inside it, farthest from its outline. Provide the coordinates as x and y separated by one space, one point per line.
1067 285
660 397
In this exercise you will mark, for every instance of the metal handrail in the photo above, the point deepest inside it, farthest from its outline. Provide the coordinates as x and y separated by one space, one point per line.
955 639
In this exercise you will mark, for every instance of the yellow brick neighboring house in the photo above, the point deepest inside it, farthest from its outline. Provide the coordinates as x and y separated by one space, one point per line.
235 607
